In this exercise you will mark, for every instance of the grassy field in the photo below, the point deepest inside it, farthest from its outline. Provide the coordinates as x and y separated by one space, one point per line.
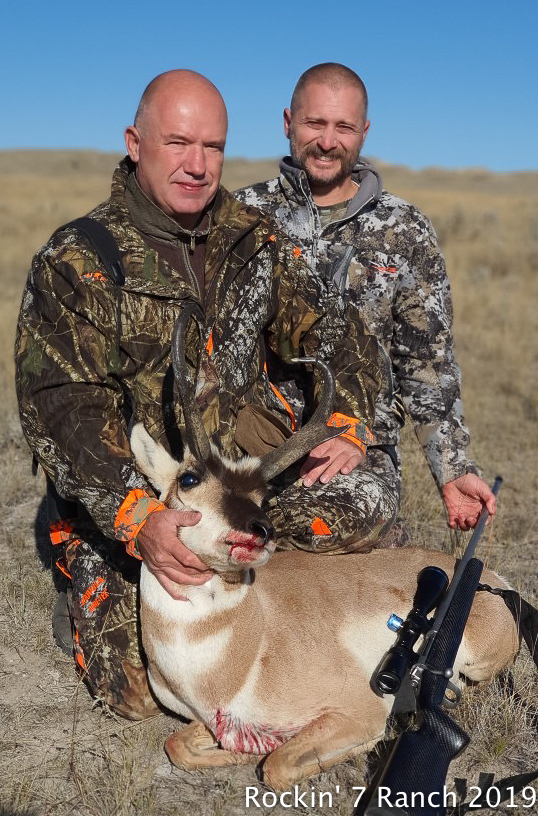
61 754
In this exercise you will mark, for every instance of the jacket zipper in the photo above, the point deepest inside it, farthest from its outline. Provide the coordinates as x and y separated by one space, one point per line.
190 270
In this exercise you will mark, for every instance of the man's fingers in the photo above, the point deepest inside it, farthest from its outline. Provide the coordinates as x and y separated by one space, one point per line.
353 462
185 518
184 575
170 586
313 463
184 557
334 468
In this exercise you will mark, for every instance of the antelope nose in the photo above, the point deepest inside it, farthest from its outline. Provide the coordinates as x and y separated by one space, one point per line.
261 529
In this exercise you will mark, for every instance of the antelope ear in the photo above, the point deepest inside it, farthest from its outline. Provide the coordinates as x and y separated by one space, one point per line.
153 460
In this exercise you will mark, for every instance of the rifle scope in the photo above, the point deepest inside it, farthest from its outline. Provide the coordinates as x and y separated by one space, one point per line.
431 586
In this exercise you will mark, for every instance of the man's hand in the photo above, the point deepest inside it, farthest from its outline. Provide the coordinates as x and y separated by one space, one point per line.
170 561
465 498
326 460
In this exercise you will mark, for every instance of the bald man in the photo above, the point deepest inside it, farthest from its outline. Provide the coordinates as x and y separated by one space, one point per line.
93 357
383 255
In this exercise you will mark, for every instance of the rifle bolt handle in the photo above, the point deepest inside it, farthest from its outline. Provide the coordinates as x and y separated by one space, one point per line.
394 623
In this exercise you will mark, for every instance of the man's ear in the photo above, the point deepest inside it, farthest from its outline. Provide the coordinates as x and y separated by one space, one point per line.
132 142
365 130
287 122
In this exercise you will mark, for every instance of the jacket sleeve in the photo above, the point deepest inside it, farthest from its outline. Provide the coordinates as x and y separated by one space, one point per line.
70 400
423 358
312 319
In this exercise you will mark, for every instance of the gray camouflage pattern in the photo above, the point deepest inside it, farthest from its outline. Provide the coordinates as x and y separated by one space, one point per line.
384 257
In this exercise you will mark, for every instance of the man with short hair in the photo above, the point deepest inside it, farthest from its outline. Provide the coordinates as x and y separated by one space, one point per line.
382 254
93 358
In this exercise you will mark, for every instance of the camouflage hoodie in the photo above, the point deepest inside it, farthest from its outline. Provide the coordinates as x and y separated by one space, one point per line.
383 255
92 358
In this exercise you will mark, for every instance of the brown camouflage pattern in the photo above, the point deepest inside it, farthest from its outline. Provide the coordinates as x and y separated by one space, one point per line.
384 257
88 366
81 378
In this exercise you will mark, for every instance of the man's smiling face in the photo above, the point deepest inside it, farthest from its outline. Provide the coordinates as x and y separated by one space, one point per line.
178 146
326 131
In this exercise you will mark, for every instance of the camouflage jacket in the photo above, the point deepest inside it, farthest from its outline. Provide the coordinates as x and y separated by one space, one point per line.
384 256
92 357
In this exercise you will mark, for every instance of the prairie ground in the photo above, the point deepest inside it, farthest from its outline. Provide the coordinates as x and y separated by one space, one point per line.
61 753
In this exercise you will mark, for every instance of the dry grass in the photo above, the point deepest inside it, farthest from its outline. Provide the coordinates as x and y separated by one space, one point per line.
62 755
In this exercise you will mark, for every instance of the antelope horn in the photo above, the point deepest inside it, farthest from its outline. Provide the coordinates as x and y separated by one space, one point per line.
310 435
197 438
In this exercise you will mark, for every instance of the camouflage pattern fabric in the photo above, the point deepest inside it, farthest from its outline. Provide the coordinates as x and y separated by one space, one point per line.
352 513
86 367
92 359
104 611
383 255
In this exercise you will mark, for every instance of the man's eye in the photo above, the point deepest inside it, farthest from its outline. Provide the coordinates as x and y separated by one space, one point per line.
188 480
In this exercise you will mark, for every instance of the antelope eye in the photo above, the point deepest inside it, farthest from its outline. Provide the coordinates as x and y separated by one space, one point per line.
188 480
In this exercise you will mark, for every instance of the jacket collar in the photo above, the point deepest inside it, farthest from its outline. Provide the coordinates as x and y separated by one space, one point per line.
295 183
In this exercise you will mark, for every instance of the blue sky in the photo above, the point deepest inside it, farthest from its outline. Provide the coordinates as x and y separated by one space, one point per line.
451 84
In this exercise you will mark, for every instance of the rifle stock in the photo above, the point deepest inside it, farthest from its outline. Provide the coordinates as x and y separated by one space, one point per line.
416 772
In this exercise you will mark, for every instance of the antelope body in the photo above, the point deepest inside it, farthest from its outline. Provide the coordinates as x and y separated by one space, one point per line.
273 656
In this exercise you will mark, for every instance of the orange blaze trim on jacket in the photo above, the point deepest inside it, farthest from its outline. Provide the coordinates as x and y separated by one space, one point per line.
209 344
284 402
320 528
79 654
62 566
337 420
61 531
132 516
296 251
95 275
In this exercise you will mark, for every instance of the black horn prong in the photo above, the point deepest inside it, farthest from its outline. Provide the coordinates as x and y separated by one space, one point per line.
197 438
310 435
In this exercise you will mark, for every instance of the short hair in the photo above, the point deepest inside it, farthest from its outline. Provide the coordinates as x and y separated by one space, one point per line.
335 76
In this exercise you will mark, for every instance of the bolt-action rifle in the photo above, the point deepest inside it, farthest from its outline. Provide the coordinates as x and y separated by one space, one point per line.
420 758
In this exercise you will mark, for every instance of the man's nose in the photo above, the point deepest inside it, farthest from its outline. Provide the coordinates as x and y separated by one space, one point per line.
327 139
194 163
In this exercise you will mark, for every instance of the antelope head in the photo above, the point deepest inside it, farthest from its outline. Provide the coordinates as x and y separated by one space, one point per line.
234 533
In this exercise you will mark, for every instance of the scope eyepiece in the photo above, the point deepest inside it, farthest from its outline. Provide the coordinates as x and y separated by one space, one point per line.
431 585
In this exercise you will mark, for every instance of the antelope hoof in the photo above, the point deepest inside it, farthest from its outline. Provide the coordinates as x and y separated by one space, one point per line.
194 747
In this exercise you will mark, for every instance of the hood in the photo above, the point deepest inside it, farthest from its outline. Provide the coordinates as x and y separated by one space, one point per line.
364 174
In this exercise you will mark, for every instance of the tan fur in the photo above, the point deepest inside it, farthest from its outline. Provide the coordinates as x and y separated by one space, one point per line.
289 657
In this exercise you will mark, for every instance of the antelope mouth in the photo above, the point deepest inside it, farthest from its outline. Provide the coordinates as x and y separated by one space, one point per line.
247 547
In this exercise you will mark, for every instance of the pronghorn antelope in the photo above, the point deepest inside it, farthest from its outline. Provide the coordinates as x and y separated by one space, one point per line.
273 656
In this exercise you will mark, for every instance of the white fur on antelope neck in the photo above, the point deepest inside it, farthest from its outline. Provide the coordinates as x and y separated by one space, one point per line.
248 738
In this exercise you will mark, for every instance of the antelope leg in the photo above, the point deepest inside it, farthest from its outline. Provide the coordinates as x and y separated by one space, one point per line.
195 747
329 739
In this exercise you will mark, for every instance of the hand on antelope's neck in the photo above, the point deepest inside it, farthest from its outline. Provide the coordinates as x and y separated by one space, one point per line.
170 561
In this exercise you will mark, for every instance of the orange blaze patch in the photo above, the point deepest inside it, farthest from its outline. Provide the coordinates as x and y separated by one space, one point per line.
97 275
320 528
79 654
60 531
209 344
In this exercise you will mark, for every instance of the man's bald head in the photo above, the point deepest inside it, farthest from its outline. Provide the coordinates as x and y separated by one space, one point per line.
335 76
179 82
